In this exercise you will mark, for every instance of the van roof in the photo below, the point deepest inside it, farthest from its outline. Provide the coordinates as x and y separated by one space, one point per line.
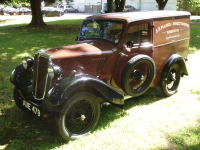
142 15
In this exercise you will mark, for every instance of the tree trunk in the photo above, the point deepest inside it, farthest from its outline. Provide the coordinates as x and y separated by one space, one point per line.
110 6
37 19
161 4
120 5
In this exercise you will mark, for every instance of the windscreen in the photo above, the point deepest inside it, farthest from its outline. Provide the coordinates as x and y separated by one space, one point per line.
110 31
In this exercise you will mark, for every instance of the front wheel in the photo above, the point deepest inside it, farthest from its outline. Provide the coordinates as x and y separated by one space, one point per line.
79 116
171 82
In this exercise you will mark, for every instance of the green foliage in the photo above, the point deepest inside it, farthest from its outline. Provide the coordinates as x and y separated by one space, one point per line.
5 1
191 5
50 1
15 5
58 1
161 4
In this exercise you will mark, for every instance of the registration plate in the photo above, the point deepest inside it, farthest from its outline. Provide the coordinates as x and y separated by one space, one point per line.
32 108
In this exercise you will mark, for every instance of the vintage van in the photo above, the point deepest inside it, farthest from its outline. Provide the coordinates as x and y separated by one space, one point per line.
118 56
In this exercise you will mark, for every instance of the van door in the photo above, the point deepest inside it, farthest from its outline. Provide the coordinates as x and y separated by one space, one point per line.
138 41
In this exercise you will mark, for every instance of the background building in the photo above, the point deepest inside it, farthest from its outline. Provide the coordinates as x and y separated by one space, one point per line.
95 6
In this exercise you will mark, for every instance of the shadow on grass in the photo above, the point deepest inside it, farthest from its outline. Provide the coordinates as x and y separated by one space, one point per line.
26 131
12 25
20 130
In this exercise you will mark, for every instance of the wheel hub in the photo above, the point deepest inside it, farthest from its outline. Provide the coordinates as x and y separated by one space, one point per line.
82 118
171 78
138 76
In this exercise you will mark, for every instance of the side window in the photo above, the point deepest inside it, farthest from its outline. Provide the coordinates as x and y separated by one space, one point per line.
137 34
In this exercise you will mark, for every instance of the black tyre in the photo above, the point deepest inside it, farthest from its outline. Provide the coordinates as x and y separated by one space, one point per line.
79 116
19 102
138 75
170 84
76 11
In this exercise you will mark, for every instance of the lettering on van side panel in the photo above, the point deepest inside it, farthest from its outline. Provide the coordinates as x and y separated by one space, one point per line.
168 31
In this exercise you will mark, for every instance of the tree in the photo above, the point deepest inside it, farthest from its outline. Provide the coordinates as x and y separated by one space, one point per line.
110 6
120 5
69 1
5 1
115 4
37 19
161 4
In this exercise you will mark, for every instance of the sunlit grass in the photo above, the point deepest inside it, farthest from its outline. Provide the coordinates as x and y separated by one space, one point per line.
195 38
195 20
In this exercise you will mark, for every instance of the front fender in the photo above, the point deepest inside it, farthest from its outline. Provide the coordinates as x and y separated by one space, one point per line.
61 90
21 77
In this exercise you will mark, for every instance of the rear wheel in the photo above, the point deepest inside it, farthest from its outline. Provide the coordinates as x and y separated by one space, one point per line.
79 116
171 82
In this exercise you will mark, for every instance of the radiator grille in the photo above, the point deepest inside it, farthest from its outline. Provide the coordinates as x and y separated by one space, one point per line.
40 75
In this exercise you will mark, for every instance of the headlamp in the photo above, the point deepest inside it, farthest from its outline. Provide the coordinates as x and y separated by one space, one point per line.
54 71
27 62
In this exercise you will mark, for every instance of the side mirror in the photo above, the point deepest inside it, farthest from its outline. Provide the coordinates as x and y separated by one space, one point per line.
130 44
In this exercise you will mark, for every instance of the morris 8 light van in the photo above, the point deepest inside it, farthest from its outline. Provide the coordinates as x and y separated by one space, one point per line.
117 56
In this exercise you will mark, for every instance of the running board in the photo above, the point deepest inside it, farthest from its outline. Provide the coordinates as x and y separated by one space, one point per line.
128 97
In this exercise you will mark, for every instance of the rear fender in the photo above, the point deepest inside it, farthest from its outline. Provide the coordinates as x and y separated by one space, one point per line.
62 89
175 58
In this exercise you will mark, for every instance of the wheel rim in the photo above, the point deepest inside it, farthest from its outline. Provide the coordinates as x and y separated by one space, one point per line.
79 116
172 81
138 76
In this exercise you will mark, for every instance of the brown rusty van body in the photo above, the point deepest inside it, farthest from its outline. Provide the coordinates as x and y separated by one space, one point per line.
117 56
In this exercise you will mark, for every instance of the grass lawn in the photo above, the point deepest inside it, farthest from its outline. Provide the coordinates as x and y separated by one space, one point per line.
150 121
195 20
